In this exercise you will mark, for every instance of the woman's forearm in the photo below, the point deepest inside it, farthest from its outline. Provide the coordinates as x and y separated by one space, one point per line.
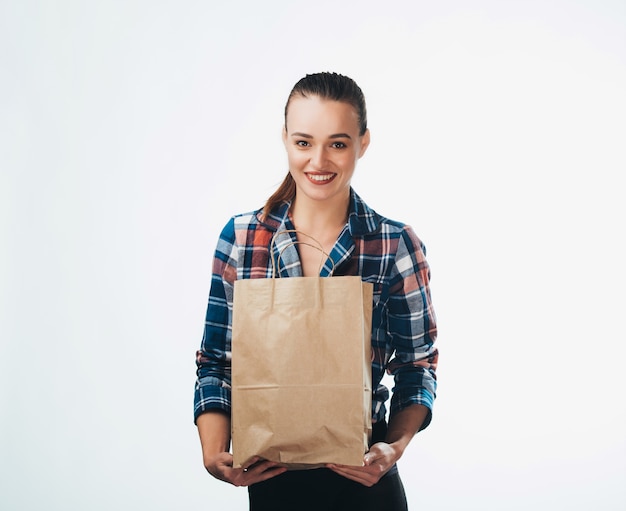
214 431
403 426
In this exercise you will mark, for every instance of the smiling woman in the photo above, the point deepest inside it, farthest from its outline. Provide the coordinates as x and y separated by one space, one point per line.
325 135
323 146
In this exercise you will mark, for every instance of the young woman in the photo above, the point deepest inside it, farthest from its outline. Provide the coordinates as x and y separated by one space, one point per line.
325 134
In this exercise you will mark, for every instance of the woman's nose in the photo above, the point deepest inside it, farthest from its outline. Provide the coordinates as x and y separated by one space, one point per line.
318 158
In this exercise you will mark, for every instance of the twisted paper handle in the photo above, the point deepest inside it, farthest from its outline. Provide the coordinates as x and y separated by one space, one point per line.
318 246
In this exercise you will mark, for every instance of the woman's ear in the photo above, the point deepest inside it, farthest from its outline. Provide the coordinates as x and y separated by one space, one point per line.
365 142
285 136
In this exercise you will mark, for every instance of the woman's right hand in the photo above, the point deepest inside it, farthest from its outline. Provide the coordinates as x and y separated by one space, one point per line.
257 470
214 430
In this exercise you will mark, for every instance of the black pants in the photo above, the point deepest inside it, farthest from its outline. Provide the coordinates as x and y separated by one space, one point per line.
324 490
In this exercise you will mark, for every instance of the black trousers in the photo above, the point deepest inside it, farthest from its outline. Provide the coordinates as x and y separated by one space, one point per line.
324 490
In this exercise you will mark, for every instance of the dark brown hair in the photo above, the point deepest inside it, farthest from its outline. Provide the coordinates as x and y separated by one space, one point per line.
330 86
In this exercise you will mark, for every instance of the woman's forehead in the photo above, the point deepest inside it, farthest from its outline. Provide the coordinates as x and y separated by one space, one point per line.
315 113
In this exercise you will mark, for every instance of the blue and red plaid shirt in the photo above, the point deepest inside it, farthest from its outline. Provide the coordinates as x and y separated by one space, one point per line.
386 253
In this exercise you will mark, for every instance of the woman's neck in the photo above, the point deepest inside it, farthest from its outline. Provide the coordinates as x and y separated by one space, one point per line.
320 218
323 221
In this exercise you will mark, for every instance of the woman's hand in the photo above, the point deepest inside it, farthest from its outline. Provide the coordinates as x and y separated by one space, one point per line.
214 430
377 462
221 467
383 455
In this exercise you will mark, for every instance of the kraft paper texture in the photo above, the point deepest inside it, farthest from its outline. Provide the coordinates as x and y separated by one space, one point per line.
301 370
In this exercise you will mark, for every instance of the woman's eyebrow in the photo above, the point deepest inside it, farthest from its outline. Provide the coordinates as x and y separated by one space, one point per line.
306 135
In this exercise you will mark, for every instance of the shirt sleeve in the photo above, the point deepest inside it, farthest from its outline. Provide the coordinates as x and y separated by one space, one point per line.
213 359
412 326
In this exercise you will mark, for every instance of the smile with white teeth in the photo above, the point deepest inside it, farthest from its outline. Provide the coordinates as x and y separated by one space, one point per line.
320 177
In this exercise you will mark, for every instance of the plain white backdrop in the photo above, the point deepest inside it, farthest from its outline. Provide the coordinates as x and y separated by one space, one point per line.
131 130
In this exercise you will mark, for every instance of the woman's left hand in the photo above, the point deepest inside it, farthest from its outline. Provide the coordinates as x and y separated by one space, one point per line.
383 455
377 462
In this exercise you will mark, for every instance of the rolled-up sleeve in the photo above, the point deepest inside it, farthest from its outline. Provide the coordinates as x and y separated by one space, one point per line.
213 359
412 327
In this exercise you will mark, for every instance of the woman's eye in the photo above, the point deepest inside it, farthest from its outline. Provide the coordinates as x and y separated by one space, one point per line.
302 143
339 145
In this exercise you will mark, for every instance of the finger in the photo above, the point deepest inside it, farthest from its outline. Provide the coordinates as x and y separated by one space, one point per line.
352 471
358 476
376 452
256 474
264 469
250 463
369 458
370 474
261 466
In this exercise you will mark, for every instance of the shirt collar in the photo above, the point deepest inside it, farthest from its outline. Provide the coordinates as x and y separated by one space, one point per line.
362 220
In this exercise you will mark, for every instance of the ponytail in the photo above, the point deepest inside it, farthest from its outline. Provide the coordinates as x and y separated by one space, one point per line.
286 192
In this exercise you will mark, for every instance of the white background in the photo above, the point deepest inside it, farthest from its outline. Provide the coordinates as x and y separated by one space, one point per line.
131 130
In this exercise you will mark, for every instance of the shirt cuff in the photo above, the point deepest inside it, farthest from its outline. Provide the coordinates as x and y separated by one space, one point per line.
211 394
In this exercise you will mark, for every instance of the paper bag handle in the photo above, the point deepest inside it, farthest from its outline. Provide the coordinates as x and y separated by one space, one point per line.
276 262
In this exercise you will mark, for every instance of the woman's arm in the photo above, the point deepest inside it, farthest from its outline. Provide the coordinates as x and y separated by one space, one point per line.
413 330
383 455
213 394
404 425
214 431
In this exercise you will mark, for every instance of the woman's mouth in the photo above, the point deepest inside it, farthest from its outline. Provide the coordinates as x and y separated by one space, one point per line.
321 178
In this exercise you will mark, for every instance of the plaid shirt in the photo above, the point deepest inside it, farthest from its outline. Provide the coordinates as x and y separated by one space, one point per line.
386 253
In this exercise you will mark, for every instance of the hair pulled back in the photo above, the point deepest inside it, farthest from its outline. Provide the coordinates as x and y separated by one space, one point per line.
328 86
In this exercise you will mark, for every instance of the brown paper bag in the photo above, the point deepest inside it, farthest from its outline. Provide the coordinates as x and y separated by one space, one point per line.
301 370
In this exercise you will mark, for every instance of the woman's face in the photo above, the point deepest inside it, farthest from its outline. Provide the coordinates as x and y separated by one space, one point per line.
323 146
